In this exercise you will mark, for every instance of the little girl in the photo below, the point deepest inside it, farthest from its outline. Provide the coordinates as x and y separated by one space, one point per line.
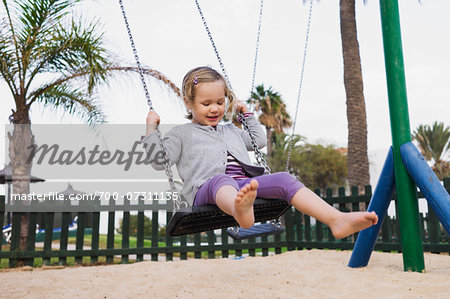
213 162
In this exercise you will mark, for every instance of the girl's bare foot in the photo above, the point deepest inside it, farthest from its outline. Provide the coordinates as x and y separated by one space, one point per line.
243 204
349 223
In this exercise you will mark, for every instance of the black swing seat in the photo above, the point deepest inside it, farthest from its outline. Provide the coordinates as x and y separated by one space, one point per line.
209 217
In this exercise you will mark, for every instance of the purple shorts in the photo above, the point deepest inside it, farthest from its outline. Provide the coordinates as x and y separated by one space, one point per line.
280 185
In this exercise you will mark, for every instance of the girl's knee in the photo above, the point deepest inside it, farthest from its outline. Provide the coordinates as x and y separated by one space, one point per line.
224 179
286 176
290 185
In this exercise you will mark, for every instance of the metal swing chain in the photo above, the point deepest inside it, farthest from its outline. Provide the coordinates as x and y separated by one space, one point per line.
222 67
258 34
291 144
176 202
258 155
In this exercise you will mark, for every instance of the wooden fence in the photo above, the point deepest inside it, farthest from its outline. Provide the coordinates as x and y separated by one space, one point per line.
89 246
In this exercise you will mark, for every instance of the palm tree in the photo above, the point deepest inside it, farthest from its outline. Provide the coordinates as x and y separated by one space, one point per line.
281 143
357 159
49 57
434 144
273 114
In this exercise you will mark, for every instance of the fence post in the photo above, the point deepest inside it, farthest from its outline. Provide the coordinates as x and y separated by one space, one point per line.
298 221
355 204
329 200
155 233
80 236
125 229
64 240
265 249
251 251
197 241
183 243
140 231
95 235
49 221
15 237
368 195
342 206
111 223
433 226
238 251
169 241
288 217
211 237
277 238
224 242
307 230
31 241
319 225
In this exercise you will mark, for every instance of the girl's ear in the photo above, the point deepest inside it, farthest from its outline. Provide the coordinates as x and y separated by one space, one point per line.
186 102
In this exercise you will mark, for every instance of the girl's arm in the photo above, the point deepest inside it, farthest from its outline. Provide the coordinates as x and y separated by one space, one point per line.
254 127
171 140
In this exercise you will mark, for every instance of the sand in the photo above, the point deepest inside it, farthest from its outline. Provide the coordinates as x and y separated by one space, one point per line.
296 274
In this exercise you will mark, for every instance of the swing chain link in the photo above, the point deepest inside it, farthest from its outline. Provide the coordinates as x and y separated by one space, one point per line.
222 67
291 143
261 6
258 155
177 203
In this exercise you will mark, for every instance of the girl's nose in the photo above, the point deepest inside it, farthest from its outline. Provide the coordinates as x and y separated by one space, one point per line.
214 107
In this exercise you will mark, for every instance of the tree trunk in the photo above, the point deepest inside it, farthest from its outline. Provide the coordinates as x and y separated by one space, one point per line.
19 151
269 142
357 159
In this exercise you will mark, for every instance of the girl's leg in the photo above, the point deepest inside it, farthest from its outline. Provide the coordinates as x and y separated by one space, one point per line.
341 224
285 186
238 204
234 200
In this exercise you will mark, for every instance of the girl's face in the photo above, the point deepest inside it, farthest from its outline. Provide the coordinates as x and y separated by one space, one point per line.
208 107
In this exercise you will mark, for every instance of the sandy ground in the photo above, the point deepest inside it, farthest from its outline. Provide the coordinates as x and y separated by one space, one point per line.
297 274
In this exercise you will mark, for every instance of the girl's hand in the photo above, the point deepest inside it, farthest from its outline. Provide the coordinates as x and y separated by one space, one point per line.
241 107
152 122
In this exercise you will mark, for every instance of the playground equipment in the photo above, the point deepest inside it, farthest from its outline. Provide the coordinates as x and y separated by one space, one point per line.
403 159
189 220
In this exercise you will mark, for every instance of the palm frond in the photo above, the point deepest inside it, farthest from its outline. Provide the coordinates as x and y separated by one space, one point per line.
433 141
272 109
8 67
421 137
150 72
39 17
39 38
73 48
13 45
74 101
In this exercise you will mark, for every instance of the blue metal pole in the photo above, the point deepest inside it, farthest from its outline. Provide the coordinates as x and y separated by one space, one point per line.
429 184
379 203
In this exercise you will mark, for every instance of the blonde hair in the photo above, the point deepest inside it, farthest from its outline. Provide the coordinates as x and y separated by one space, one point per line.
205 74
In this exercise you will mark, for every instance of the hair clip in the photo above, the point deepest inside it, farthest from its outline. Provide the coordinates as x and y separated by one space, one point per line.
195 79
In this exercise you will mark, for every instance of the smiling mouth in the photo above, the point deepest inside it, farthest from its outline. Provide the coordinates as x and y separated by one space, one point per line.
212 117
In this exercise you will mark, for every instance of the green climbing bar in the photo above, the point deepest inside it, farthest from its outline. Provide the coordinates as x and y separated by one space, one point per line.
408 207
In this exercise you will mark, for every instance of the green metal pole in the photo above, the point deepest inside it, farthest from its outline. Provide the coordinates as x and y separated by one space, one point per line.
408 207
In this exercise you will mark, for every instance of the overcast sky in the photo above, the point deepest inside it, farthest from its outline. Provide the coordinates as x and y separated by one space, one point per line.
170 37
